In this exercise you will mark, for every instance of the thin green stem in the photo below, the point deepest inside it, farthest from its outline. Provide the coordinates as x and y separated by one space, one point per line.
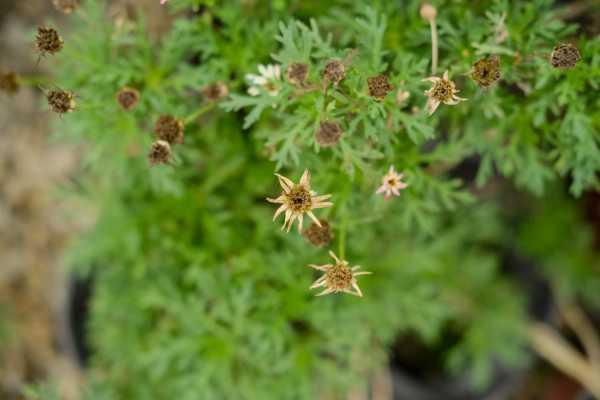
207 107
34 81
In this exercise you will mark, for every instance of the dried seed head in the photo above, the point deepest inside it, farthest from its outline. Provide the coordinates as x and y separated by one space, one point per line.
339 277
61 101
169 129
299 199
66 6
328 134
319 235
486 72
48 41
379 87
428 12
564 56
334 71
297 73
160 153
215 91
128 98
9 82
443 90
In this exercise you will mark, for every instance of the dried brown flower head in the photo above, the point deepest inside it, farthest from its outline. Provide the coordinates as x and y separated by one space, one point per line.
328 134
61 101
297 73
215 91
319 235
128 98
486 72
48 41
442 91
338 277
9 82
298 199
379 86
564 56
334 71
66 6
169 129
160 153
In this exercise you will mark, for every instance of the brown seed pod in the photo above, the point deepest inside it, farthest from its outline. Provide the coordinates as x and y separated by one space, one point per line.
379 86
334 71
215 91
9 82
61 101
319 235
328 134
48 41
128 98
67 6
564 56
169 129
297 73
160 153
486 71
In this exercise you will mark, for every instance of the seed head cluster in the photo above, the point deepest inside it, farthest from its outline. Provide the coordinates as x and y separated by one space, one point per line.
61 101
128 98
334 71
319 235
160 153
215 91
169 129
379 86
297 73
328 134
48 41
565 56
486 71
9 82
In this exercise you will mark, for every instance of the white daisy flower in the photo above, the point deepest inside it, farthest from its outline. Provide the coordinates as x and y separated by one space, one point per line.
268 80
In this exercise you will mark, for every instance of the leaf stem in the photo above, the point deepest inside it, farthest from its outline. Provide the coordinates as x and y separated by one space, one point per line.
207 107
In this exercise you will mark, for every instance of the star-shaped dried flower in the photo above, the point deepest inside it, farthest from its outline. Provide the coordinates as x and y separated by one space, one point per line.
338 277
442 91
392 184
298 199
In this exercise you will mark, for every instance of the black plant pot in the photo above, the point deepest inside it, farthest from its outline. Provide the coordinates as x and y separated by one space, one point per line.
417 370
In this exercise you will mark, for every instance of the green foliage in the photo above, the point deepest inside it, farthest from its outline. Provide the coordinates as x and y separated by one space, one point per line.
200 295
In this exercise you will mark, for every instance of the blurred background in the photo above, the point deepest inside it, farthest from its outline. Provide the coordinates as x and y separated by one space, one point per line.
42 339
